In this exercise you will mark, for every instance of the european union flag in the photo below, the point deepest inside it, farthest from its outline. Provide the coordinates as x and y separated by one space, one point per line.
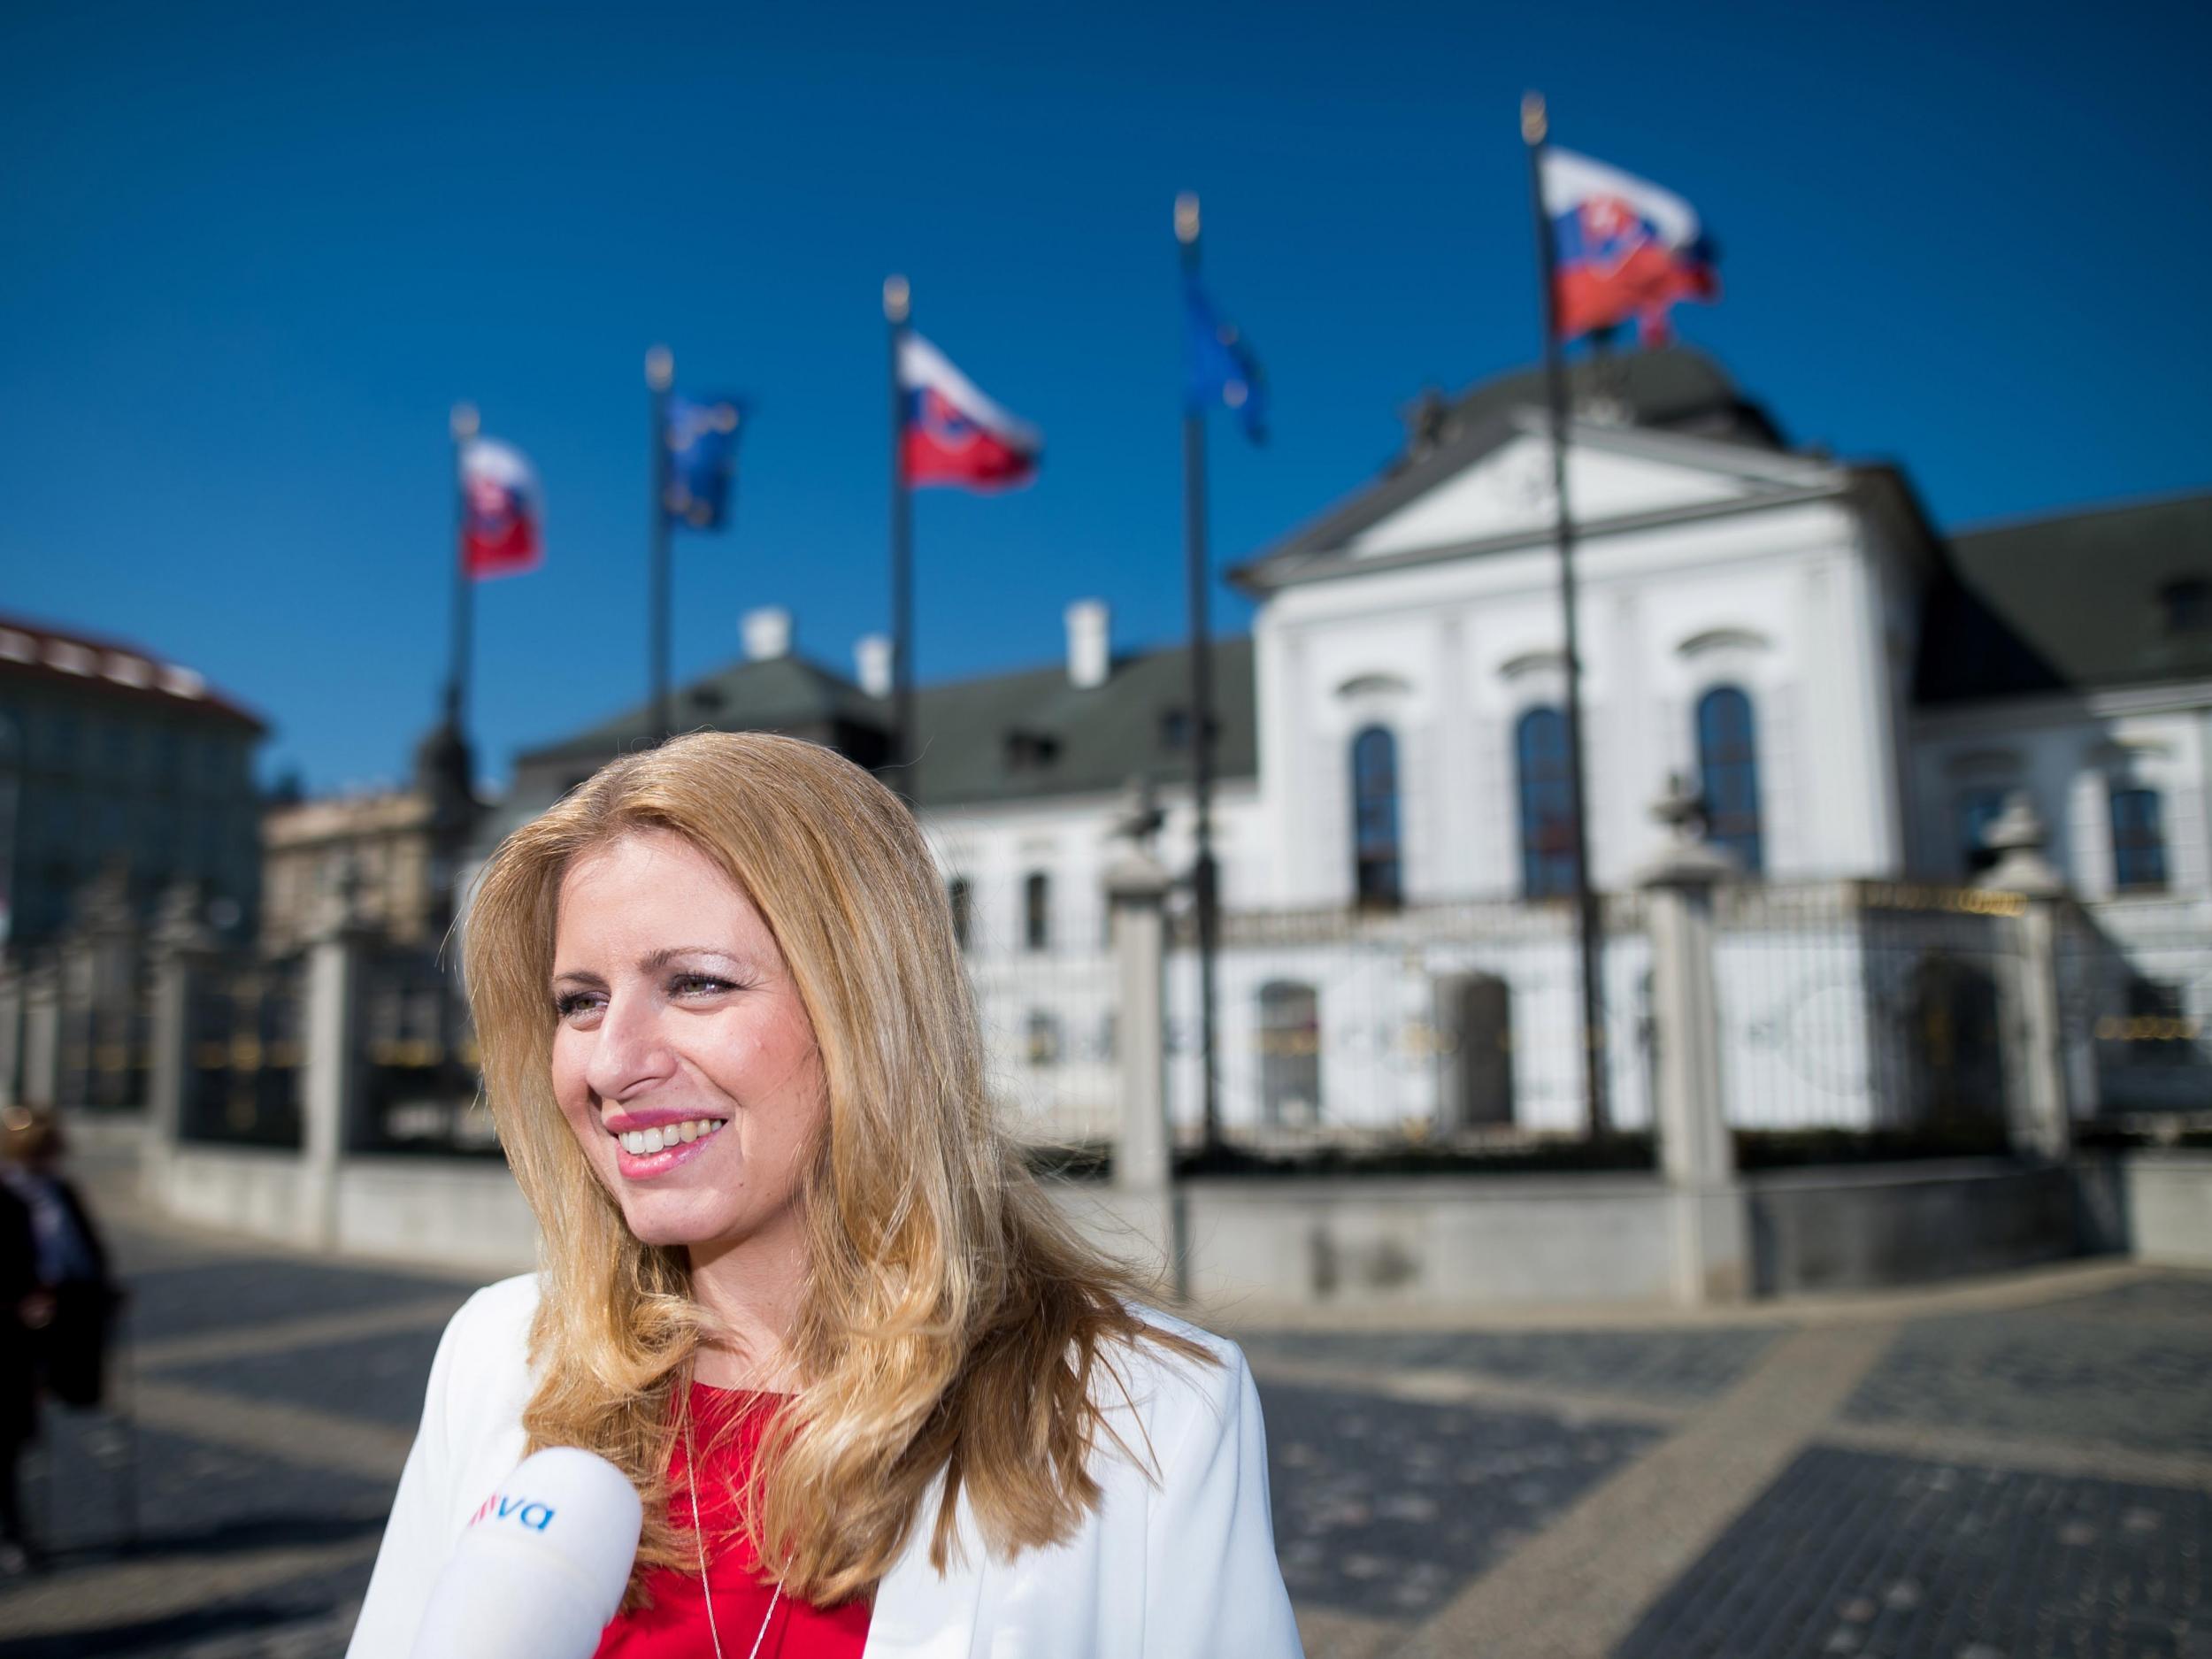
702 437
1219 366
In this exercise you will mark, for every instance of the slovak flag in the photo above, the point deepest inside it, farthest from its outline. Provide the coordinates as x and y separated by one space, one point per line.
499 511
1625 248
952 433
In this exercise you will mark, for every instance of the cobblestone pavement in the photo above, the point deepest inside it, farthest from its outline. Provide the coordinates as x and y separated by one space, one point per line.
2021 1470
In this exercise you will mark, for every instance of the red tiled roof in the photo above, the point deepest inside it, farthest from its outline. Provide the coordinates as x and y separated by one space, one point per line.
118 667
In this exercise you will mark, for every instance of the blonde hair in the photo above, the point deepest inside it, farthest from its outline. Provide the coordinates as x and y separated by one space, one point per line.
950 1322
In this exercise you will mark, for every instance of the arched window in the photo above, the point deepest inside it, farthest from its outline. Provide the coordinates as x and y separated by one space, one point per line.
1728 768
1037 911
1375 818
1547 824
2139 843
1290 1053
960 895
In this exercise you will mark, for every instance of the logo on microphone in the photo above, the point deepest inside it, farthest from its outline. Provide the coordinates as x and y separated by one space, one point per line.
528 1512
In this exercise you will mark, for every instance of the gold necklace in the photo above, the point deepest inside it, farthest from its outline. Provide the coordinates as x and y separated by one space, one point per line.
698 1533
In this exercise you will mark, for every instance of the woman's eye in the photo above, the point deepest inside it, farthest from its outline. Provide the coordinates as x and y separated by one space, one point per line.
571 1004
699 985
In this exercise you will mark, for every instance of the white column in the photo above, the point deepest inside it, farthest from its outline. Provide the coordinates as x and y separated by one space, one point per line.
1143 1201
42 1034
2042 1114
329 1085
1136 887
1696 1155
11 1033
182 947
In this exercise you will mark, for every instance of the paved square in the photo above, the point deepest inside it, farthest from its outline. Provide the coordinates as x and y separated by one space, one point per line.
2131 1367
2024 1472
1854 1553
378 1377
1663 1365
229 1293
1388 1508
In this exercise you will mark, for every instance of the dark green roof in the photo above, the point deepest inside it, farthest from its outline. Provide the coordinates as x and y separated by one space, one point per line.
1097 740
785 694
2108 597
1026 735
1675 388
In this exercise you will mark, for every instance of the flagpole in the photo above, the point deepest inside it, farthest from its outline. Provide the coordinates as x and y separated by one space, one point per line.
1204 883
1588 923
660 375
897 303
462 425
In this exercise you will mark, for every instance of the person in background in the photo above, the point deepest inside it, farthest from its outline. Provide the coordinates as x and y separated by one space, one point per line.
56 1300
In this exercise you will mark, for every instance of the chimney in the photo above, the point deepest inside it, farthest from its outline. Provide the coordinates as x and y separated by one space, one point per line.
872 660
1089 654
767 632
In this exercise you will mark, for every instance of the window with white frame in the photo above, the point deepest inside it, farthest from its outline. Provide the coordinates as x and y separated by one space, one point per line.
1547 789
2138 840
1378 873
1728 772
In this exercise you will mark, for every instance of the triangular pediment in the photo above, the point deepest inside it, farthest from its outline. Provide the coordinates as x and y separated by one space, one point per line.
1488 489
1507 493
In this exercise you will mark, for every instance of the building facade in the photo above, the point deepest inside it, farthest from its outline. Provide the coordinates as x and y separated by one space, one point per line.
394 852
1854 697
116 763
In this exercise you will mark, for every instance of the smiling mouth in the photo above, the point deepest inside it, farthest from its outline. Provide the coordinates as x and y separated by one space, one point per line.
644 1142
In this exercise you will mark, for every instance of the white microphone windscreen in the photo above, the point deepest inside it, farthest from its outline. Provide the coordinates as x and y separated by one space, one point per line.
541 1567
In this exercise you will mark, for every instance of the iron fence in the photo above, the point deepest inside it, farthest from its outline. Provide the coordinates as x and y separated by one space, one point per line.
1877 1014
245 1053
1870 1008
420 1087
1050 1021
1429 1026
2135 987
106 1043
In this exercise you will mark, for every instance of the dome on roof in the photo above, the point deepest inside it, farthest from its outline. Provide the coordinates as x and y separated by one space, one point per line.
1675 387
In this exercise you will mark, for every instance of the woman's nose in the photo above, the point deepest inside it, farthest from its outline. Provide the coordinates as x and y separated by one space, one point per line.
627 1053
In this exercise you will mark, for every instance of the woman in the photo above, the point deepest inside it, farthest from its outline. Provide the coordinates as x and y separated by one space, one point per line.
729 1046
56 1302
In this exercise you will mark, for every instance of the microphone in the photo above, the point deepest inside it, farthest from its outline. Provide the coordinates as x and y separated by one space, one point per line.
541 1567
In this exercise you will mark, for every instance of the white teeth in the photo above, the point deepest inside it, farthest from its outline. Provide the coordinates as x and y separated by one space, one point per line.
641 1142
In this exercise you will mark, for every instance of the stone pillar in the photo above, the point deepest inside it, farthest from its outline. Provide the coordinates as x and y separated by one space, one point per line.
182 949
73 962
1136 888
10 1033
1696 1155
2041 1112
41 1034
330 1084
100 959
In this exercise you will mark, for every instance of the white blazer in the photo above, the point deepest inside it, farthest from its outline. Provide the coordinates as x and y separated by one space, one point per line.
1179 1568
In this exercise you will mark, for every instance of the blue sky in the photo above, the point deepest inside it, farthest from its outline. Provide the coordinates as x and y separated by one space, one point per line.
250 255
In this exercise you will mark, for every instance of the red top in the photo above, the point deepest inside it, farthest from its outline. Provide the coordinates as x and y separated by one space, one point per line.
675 1628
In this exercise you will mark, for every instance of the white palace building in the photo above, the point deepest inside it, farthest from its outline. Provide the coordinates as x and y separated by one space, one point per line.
1857 695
